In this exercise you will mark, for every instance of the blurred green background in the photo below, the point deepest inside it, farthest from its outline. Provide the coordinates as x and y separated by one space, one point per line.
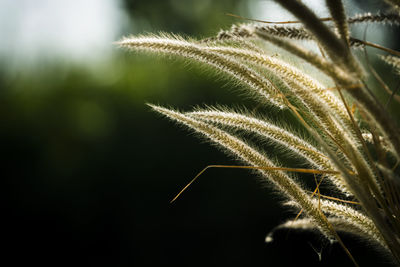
89 170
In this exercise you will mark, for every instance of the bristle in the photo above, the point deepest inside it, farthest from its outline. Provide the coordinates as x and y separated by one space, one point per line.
336 147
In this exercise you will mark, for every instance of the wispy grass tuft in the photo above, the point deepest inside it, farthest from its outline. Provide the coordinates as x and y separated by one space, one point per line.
354 141
394 61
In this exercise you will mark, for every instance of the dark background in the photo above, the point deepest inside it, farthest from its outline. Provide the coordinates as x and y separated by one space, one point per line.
89 170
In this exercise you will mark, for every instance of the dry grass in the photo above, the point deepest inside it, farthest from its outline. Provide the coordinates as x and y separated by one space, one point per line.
360 163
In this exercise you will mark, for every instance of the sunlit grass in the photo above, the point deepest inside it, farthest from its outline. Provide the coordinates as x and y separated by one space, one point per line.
353 144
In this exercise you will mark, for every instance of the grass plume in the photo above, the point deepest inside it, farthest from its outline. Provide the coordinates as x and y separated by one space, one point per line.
353 148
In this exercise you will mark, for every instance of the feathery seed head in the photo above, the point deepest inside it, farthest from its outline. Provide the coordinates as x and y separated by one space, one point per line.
338 151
